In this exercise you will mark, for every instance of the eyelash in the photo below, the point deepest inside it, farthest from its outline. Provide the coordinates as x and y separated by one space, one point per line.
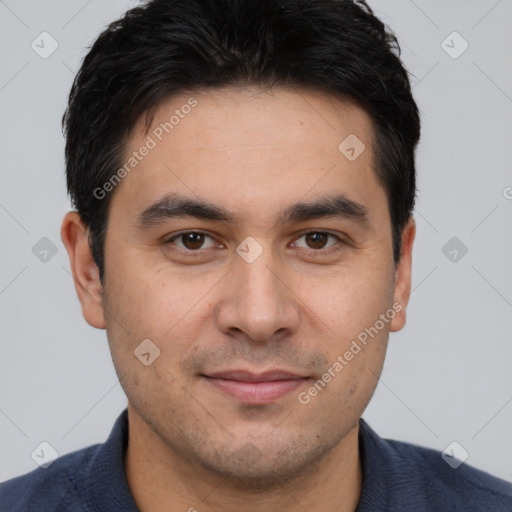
334 248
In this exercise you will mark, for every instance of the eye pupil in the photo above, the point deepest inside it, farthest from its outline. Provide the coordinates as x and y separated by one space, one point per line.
192 240
316 240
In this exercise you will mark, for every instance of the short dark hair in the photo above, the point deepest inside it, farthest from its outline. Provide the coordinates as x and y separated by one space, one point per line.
165 47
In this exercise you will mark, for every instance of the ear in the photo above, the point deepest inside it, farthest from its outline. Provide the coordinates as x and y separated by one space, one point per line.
88 287
403 276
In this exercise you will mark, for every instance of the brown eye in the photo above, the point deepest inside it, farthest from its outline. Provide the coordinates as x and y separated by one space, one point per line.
192 241
316 240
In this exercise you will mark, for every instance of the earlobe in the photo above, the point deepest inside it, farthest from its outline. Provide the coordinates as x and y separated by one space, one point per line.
403 277
85 273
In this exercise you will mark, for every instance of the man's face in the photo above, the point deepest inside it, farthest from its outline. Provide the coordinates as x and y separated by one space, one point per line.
245 327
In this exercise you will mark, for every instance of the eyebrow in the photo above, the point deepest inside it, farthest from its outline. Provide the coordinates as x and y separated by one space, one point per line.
175 206
334 206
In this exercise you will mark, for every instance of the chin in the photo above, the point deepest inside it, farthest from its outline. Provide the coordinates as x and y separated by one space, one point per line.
255 466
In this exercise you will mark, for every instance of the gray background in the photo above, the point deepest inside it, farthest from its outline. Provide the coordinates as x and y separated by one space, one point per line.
448 373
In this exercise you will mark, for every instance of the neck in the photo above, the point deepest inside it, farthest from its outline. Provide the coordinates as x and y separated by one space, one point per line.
161 480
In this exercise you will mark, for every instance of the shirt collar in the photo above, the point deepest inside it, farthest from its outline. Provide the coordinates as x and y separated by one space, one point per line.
107 483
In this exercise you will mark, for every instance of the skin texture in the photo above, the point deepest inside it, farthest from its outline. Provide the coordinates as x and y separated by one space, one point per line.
297 307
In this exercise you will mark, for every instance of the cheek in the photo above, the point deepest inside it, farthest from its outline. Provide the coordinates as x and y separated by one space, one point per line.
362 347
167 309
150 329
349 299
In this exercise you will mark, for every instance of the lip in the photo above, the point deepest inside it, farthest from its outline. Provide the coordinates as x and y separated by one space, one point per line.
255 388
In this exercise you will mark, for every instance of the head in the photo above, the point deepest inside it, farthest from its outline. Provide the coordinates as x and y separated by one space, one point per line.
243 178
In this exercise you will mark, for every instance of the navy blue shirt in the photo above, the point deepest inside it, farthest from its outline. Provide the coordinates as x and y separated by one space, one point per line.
396 477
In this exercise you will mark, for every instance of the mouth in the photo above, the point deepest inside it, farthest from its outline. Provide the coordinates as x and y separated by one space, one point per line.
255 388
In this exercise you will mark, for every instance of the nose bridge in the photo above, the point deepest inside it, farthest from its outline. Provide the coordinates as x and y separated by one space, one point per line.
259 285
260 304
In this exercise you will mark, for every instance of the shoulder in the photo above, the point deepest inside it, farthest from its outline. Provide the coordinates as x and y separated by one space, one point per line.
90 479
466 485
419 477
59 484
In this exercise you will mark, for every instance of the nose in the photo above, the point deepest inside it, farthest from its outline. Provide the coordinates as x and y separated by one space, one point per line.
257 301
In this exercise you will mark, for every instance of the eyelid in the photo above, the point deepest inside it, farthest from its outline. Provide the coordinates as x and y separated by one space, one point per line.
331 248
170 239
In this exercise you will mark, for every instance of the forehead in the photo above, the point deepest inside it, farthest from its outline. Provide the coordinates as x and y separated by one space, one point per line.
251 117
241 145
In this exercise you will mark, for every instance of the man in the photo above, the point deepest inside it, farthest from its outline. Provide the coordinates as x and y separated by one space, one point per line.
243 177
